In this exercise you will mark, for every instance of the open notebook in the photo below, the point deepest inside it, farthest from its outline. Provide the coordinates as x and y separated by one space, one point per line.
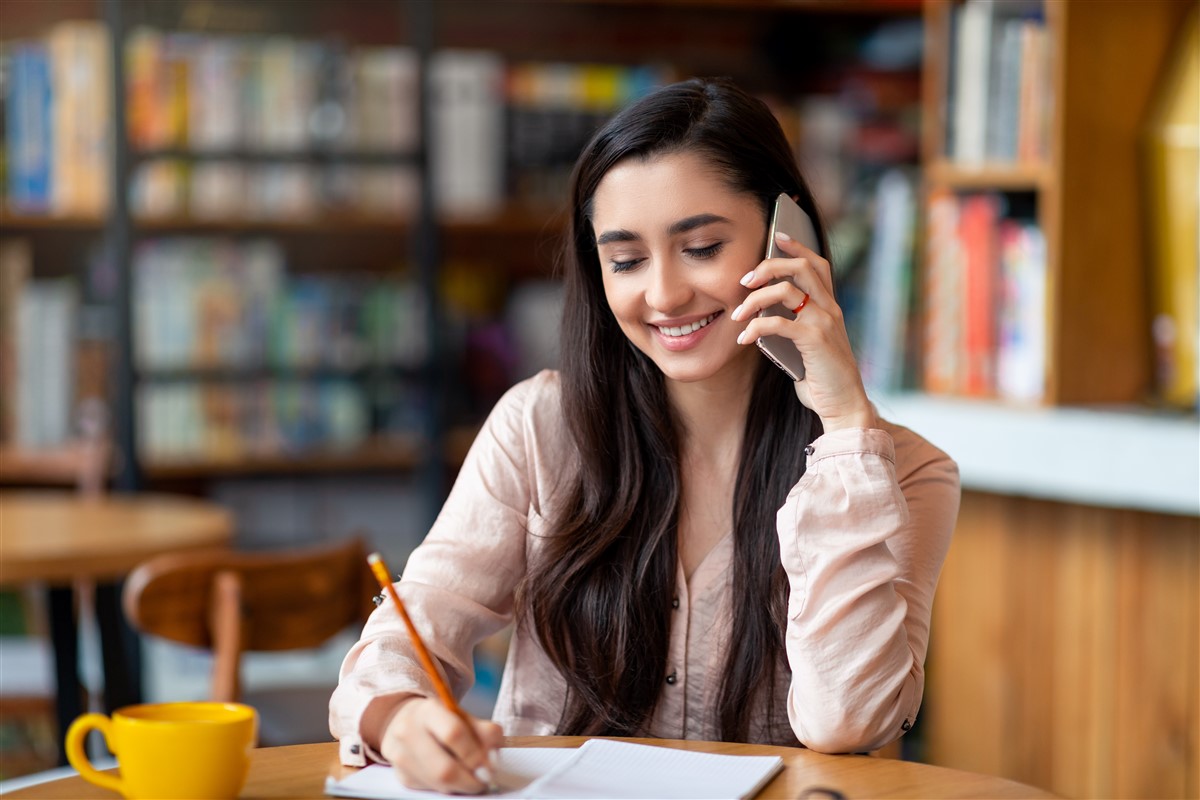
599 769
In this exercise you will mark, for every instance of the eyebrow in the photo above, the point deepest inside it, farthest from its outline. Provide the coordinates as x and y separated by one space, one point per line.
681 226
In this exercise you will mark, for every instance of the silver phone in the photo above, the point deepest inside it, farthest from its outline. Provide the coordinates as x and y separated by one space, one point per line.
791 219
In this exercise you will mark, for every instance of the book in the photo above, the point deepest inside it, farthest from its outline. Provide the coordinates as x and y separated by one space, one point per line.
972 60
600 768
466 148
1034 95
16 267
46 317
214 118
1021 346
978 225
80 166
30 126
943 295
889 280
1001 135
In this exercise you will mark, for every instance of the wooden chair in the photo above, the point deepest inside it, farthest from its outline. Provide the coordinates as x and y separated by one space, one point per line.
231 602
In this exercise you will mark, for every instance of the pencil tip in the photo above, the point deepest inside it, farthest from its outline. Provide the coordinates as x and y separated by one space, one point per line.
374 558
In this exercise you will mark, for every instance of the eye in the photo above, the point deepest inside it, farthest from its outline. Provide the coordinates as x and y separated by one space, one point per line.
701 253
624 266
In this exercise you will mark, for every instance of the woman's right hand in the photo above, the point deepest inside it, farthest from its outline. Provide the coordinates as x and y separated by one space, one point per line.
431 747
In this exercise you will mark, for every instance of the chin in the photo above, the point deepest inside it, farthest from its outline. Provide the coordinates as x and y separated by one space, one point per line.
681 371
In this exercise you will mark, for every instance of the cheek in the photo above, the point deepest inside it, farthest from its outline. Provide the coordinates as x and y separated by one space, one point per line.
620 299
724 282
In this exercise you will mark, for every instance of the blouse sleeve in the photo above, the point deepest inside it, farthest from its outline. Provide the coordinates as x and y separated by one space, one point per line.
457 586
863 542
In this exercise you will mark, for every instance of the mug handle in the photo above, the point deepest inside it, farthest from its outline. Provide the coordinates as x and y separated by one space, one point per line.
76 734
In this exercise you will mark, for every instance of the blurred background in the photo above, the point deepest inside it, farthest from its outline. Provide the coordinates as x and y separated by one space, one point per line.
284 255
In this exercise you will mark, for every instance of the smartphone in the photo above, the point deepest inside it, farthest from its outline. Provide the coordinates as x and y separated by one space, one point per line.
791 219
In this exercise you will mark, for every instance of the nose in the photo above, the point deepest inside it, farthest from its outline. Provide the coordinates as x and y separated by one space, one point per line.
667 289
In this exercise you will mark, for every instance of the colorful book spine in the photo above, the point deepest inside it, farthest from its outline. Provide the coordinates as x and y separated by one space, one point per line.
80 178
30 124
1021 346
142 55
978 227
943 315
1035 95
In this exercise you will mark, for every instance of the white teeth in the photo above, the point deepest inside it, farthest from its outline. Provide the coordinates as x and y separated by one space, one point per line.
683 330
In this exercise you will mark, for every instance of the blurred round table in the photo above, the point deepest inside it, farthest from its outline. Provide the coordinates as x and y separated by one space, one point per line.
57 538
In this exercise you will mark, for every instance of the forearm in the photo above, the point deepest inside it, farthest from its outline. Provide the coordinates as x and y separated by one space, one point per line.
856 676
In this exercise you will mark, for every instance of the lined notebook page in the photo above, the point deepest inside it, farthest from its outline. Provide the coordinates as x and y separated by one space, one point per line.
598 769
608 769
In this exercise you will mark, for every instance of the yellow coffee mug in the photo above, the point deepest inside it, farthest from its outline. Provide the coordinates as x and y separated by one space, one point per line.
170 751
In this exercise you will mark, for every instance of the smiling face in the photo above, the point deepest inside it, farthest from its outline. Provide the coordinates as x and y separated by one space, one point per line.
674 240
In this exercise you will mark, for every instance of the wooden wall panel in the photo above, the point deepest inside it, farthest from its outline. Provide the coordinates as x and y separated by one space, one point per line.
1065 650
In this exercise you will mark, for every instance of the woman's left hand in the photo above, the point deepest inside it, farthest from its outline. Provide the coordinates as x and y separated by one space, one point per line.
832 386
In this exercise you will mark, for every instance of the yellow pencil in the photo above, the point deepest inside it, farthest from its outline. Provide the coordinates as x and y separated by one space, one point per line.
485 774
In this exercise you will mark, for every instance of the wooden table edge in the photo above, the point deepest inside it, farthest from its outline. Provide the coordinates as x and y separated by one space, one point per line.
299 771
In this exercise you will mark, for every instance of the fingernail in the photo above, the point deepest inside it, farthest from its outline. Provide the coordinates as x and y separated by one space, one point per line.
749 276
494 759
737 312
485 775
783 237
741 337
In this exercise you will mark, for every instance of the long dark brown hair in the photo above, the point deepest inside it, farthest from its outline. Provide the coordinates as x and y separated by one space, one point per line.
599 598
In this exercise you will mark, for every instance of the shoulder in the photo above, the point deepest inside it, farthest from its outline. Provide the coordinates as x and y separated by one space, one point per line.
534 402
527 422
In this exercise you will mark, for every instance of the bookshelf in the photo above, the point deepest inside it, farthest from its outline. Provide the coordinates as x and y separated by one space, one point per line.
1085 188
373 240
1066 612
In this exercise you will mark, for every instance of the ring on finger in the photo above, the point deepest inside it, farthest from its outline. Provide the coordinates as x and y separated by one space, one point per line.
803 303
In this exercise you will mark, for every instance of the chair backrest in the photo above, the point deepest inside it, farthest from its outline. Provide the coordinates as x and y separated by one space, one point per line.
231 602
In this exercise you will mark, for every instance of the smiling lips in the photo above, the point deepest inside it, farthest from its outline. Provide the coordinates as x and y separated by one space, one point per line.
683 337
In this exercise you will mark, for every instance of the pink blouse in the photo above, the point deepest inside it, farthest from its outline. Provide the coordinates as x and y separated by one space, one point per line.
862 537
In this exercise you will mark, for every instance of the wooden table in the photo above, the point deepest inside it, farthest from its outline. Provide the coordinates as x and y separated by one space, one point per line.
57 538
60 537
299 771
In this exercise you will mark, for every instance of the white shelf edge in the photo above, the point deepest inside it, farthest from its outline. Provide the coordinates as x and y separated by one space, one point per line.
1109 458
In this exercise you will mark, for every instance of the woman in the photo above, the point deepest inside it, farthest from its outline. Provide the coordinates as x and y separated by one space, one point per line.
691 545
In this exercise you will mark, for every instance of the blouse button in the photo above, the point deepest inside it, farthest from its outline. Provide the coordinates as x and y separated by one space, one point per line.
674 602
671 679
809 450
